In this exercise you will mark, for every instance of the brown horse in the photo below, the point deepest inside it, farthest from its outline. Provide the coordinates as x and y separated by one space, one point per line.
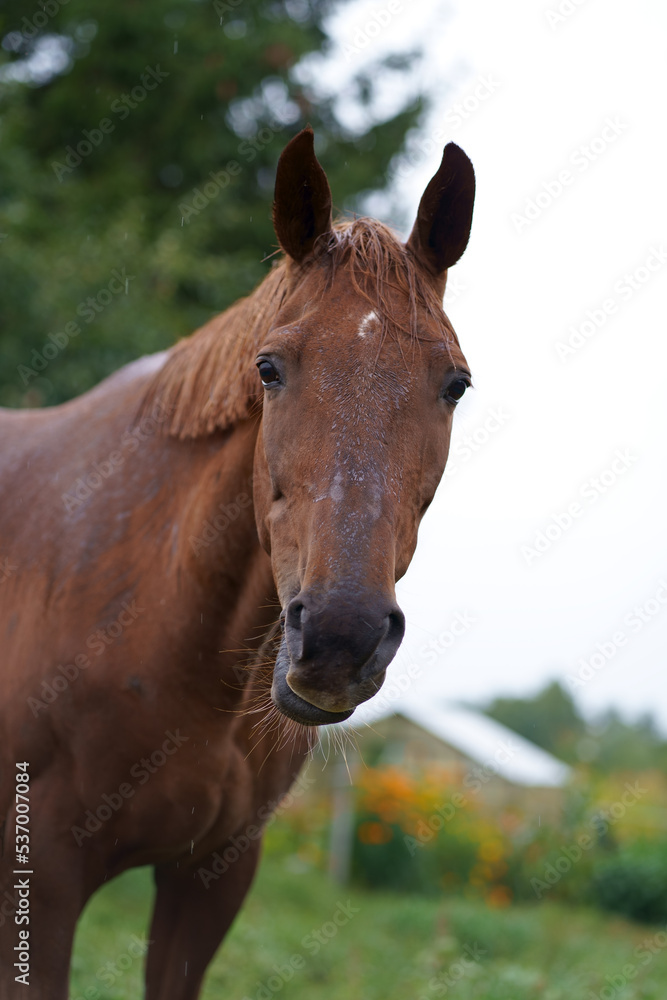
197 571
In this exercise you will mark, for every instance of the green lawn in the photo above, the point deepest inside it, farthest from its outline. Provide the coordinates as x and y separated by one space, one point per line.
379 947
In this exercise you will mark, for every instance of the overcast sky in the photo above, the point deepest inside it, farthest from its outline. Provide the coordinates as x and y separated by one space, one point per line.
547 536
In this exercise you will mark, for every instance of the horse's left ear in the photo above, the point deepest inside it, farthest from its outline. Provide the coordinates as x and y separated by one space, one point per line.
442 228
302 200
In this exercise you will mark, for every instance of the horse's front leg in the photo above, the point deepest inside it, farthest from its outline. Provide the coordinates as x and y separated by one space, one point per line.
194 909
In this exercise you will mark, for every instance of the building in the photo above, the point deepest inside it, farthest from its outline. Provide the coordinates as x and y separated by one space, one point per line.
477 752
479 757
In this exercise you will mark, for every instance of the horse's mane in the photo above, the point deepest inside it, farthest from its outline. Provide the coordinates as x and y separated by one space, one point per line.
209 381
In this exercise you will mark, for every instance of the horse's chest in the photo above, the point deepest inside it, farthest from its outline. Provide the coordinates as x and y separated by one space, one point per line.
201 797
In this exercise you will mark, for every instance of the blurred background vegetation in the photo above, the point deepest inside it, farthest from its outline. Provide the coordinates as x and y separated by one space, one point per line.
408 837
112 119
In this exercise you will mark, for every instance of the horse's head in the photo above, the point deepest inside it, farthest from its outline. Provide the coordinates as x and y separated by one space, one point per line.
361 372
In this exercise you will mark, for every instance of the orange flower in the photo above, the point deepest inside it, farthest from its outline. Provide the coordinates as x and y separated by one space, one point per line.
374 833
499 897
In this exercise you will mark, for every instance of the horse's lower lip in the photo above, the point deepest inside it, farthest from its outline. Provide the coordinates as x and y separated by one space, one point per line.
295 707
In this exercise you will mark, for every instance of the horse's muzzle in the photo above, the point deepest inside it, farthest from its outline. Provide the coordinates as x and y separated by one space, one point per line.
333 656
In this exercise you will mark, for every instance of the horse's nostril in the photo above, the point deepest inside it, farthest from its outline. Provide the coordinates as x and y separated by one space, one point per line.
293 616
339 633
396 628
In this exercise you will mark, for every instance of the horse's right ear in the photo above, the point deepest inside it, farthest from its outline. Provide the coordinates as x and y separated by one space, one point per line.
302 200
442 228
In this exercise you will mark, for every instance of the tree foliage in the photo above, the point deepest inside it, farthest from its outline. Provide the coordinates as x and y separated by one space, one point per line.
138 146
549 719
552 720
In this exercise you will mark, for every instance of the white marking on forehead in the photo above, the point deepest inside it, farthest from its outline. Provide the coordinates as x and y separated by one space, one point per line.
336 492
364 326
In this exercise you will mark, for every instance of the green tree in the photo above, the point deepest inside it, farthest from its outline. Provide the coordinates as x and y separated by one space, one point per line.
552 720
138 146
631 746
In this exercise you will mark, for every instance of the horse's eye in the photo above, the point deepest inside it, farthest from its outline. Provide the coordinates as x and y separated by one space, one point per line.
267 373
456 389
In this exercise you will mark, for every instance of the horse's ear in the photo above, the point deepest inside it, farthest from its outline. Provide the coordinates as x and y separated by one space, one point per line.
302 200
442 228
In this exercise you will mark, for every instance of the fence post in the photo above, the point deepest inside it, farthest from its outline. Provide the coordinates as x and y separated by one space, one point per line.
342 823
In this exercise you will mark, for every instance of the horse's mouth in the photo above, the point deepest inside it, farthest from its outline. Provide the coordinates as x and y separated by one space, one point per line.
291 704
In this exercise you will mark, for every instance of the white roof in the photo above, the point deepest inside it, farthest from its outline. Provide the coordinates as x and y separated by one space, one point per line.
474 735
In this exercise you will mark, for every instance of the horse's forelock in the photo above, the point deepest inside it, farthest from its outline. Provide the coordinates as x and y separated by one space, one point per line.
379 265
209 382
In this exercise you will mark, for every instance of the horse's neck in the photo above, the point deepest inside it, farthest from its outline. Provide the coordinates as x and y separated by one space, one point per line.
193 532
221 572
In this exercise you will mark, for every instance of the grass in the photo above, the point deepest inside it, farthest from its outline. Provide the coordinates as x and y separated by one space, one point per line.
385 947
